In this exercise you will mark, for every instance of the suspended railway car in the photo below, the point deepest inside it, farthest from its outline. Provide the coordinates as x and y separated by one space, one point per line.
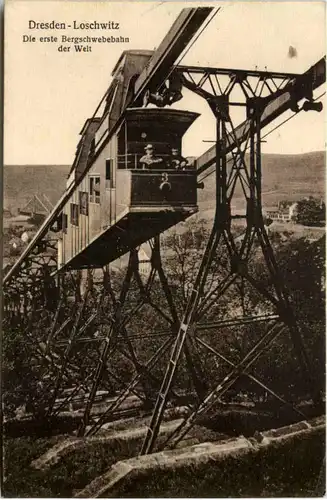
118 204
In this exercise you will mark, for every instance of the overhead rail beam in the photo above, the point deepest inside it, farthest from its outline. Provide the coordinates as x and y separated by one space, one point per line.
177 38
277 105
227 71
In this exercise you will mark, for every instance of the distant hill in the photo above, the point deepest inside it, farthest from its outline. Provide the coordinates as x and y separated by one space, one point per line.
284 177
21 182
290 177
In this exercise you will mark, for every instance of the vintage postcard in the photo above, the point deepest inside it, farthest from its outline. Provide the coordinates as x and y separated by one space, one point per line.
164 249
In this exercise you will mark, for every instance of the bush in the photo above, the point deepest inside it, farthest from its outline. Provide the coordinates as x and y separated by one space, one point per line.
310 212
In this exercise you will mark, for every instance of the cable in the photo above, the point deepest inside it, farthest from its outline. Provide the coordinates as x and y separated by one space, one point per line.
290 117
196 37
266 135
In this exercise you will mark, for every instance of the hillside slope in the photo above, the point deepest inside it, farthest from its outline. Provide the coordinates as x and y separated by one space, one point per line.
289 177
21 182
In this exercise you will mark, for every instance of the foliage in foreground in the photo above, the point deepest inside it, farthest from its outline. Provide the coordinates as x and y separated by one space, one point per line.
302 268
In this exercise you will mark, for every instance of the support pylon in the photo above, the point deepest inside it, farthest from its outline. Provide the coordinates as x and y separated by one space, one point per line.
238 255
79 342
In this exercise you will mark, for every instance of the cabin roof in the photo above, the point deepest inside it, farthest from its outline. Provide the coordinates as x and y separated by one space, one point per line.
87 122
177 119
138 52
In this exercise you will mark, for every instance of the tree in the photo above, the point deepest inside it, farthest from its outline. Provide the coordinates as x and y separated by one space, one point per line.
310 212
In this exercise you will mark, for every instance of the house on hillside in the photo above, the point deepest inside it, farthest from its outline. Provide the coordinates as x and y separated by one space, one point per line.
15 246
6 213
144 262
37 205
285 211
19 221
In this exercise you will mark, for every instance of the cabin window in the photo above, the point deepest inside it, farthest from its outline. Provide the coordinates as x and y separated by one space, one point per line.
74 209
108 173
84 203
95 189
59 222
64 222
110 178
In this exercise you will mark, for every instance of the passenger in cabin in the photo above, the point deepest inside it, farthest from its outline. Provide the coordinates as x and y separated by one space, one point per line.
150 160
177 161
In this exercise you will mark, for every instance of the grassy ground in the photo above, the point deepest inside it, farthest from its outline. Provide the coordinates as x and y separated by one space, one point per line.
289 470
292 469
75 470
72 472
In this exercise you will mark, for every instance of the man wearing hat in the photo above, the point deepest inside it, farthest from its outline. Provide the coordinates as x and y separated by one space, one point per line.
176 160
150 160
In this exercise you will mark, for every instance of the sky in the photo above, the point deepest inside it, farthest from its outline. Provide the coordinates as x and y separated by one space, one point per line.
49 94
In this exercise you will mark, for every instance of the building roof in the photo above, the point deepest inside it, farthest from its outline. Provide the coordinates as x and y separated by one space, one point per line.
143 257
20 218
271 209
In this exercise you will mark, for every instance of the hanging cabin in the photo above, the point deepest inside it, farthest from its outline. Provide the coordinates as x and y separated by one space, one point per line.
116 205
